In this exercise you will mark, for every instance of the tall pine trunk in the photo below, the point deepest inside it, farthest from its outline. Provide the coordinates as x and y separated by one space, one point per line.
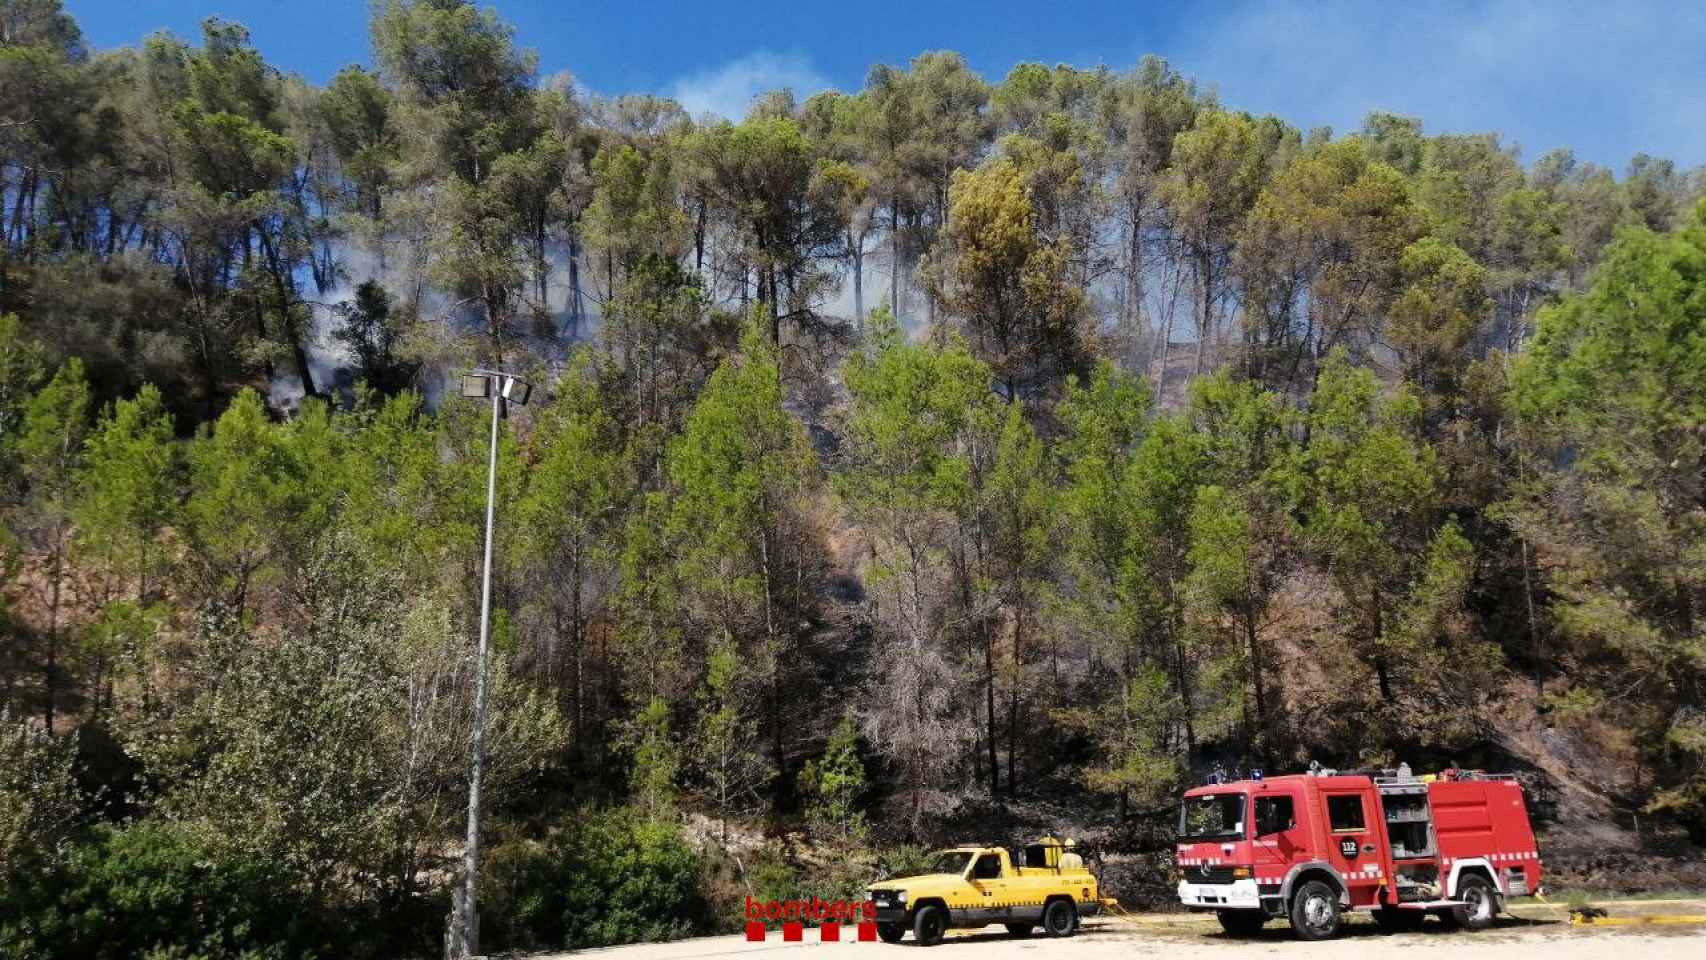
894 259
858 257
1013 700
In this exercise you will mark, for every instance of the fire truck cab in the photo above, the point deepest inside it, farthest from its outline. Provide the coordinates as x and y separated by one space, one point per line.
1309 847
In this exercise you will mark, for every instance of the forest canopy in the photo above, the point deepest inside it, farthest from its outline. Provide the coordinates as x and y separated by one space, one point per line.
898 456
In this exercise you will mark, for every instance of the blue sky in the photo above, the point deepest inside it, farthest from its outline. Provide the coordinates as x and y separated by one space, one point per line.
1609 79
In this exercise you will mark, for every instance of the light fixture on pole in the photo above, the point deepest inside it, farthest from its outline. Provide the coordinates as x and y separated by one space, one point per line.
500 388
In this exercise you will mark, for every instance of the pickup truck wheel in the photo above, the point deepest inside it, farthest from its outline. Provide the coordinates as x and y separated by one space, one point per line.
1315 911
929 925
1060 918
1241 923
891 932
1018 931
1480 904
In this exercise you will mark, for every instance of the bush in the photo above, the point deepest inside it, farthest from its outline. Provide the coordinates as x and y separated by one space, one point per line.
830 875
774 878
156 888
841 875
39 806
903 861
607 879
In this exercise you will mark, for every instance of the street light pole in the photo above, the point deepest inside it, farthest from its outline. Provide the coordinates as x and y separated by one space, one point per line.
501 388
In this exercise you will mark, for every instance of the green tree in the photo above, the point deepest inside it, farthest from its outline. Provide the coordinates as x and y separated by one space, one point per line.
20 372
1023 510
915 409
357 111
734 772
634 214
1319 260
245 507
569 520
465 103
1442 304
153 888
1132 729
758 173
1373 513
747 550
55 427
1149 108
127 494
952 127
834 784
1242 542
372 331
1216 173
1159 486
1104 420
846 178
889 126
1007 282
338 747
654 760
1105 599
1611 396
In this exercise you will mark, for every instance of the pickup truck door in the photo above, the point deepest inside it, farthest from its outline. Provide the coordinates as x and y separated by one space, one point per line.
1353 844
991 887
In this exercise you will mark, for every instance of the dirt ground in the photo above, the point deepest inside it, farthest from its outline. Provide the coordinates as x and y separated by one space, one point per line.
1534 932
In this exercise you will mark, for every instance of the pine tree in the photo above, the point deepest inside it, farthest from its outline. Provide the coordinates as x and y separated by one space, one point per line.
834 784
128 492
734 770
654 760
915 411
746 550
55 427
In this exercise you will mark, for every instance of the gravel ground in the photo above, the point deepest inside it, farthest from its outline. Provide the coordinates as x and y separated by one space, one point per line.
1535 933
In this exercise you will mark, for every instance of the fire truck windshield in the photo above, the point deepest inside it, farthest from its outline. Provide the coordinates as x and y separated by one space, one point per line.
1213 816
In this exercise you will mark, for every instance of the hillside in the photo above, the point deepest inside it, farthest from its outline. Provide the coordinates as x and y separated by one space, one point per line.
947 456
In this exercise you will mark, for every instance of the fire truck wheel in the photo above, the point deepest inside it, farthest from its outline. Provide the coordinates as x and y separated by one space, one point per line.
929 925
1399 921
891 932
1060 918
1241 923
1018 930
1480 904
1315 911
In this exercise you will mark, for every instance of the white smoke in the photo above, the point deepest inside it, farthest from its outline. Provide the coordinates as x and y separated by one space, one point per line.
727 91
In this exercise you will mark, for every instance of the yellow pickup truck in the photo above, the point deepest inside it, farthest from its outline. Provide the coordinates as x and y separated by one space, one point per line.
977 886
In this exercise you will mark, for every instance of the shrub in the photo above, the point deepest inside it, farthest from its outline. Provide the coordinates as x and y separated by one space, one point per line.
39 806
156 888
903 861
833 783
606 879
839 875
773 878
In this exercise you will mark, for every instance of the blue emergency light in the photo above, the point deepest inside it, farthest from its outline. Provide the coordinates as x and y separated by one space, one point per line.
1256 774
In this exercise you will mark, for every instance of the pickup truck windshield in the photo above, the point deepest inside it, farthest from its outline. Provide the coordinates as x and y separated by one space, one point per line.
950 861
1215 816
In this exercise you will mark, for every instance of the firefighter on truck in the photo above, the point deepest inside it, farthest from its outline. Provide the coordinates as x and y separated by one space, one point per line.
1306 848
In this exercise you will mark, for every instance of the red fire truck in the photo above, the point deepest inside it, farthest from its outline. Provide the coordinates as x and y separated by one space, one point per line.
1309 847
